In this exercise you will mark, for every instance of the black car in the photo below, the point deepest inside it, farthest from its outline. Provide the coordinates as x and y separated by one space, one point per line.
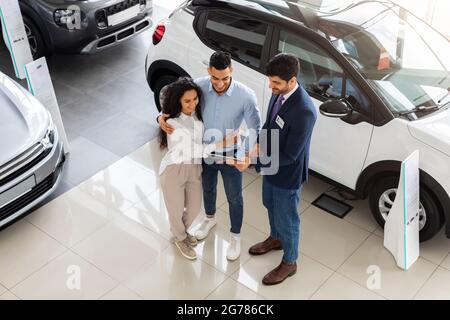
69 26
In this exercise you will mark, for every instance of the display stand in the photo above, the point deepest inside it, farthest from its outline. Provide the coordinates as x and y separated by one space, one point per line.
15 36
401 231
40 85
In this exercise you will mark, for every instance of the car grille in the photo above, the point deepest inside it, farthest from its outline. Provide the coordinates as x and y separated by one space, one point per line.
101 16
29 197
22 163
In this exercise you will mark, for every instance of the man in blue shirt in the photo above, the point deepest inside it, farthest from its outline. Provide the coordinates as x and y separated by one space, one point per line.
290 118
226 104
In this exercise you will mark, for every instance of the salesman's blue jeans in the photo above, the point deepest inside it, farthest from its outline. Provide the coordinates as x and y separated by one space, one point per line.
232 181
284 220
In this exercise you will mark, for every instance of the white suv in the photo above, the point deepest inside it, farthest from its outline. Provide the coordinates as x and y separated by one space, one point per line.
383 72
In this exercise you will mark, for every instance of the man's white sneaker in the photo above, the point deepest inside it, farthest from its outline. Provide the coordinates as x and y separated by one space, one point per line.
205 227
234 249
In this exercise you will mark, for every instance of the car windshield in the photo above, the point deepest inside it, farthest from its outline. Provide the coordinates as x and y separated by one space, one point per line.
405 61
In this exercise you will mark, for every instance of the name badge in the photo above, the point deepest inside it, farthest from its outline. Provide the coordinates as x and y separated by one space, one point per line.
279 122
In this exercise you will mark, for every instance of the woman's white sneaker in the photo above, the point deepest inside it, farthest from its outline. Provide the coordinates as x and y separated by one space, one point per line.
206 226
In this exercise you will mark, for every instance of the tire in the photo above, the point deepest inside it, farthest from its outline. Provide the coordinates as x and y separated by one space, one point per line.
158 91
430 217
37 43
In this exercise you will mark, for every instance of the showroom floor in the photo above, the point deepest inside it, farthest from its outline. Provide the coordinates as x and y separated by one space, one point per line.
108 220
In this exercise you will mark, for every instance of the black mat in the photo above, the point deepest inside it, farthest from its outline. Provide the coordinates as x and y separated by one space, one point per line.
332 205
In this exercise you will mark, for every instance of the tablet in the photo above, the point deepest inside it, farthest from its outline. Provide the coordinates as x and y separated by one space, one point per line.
223 157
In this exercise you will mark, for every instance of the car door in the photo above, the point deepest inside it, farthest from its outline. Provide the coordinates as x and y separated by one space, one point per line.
245 38
339 147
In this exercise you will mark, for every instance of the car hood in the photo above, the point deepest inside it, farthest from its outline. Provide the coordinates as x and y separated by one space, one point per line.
433 131
23 119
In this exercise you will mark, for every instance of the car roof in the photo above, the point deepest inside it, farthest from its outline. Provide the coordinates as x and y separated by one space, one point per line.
304 12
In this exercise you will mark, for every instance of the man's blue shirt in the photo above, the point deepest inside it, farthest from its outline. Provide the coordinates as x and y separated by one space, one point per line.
225 113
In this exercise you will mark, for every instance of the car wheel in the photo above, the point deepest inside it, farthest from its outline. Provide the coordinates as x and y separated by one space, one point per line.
381 199
160 87
35 39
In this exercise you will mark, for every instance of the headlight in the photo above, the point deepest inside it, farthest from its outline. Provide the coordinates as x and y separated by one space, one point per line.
69 18
49 138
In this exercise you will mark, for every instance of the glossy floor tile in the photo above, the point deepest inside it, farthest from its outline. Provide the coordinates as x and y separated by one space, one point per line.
8 296
80 117
361 216
23 250
233 290
72 217
327 238
68 277
122 134
122 184
151 213
379 232
436 250
148 156
77 169
437 287
372 264
314 188
446 262
121 293
309 277
121 248
339 287
213 249
172 276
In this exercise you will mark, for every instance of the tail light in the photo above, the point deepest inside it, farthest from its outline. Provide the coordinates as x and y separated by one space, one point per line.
159 33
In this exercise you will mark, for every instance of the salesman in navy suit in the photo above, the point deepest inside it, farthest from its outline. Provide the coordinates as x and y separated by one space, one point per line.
293 115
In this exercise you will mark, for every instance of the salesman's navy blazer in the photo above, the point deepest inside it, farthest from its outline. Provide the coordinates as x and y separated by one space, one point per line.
297 117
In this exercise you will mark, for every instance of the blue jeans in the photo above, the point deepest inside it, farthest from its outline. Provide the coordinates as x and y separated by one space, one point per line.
284 219
232 181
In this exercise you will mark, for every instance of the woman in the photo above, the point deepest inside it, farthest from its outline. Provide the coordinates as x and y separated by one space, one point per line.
181 166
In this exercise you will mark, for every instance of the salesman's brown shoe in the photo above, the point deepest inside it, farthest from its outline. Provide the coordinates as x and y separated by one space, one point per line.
265 246
280 273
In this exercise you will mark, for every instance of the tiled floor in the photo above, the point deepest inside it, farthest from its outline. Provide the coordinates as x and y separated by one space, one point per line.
109 238
112 231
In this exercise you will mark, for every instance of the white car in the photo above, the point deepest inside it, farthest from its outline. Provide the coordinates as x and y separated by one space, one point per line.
31 154
383 73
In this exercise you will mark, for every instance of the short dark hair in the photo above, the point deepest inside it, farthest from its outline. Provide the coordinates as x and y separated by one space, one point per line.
220 60
283 65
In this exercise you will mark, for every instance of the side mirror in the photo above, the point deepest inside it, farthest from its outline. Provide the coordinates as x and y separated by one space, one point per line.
334 108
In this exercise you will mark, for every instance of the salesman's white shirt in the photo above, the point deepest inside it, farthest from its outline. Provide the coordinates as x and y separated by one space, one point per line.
185 143
287 95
